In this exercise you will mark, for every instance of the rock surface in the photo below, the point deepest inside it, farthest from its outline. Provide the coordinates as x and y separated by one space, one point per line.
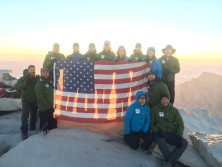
209 147
10 104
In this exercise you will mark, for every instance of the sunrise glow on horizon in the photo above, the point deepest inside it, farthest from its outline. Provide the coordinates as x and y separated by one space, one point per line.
28 28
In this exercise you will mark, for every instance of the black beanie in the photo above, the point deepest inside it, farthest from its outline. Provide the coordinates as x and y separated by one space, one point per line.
31 66
164 95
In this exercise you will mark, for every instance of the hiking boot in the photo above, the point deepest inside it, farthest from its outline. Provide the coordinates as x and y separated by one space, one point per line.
147 152
24 136
45 132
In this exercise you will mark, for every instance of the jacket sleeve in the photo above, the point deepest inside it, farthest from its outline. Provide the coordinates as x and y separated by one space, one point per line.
21 84
47 62
127 120
41 100
153 126
179 123
147 121
176 68
159 69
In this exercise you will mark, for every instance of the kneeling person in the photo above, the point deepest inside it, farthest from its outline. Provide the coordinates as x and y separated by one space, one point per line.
137 123
44 94
168 126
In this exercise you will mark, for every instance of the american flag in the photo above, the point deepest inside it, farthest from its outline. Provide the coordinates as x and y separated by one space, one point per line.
99 91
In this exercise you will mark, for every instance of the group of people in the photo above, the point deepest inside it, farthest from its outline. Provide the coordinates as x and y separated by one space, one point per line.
152 118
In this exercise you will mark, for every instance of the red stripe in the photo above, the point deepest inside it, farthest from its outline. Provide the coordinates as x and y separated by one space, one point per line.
83 100
119 81
107 62
91 110
88 120
120 71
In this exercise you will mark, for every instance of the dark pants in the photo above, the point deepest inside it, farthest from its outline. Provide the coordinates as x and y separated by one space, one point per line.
29 112
174 155
133 140
47 121
171 88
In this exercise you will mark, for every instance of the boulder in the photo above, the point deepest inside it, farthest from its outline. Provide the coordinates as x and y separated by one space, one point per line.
10 104
209 147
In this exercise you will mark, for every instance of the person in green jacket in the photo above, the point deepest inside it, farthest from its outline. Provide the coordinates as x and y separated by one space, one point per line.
137 55
44 94
171 67
155 89
168 127
107 53
52 57
91 54
25 85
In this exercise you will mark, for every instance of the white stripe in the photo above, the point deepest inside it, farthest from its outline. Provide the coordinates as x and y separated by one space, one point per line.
118 66
121 85
121 76
91 105
98 96
90 115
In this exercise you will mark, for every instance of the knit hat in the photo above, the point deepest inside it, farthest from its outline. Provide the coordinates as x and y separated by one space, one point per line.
151 73
55 45
44 69
31 66
164 95
138 45
151 48
142 96
169 47
107 42
92 45
75 44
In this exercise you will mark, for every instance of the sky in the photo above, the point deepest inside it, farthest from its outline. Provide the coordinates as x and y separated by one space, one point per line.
29 28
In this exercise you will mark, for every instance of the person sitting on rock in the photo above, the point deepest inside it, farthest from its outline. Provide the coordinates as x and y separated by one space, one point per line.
168 126
137 123
155 89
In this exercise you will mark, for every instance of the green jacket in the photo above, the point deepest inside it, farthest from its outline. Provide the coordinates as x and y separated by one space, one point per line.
91 56
26 89
106 55
170 68
137 56
49 62
166 119
154 91
44 94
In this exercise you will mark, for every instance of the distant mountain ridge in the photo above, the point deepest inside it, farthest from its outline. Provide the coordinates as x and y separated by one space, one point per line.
202 92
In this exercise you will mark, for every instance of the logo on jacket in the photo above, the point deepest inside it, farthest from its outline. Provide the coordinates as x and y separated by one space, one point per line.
161 114
137 111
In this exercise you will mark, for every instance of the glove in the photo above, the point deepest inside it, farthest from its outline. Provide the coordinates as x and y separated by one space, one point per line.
160 134
178 141
142 134
29 80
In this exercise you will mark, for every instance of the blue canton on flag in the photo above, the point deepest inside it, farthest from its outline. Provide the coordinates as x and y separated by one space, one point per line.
77 76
